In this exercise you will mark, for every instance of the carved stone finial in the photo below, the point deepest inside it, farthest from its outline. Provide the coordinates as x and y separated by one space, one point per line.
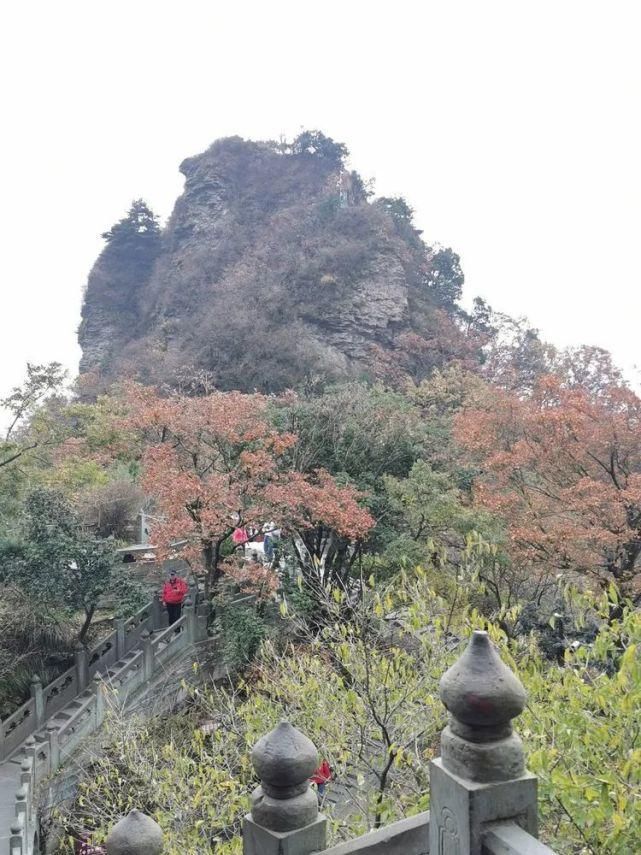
284 759
135 834
482 696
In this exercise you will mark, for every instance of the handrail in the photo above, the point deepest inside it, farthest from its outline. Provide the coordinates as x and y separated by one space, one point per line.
166 634
22 721
83 711
508 838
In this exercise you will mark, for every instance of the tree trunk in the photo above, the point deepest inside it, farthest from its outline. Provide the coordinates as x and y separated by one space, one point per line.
89 613
211 553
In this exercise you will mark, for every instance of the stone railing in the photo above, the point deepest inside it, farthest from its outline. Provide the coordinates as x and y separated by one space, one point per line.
483 800
48 742
46 701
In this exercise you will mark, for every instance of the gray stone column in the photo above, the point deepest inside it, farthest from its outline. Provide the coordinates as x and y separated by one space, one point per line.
99 692
284 818
147 656
135 834
156 613
38 697
31 750
26 776
54 747
189 612
16 841
82 667
119 624
480 776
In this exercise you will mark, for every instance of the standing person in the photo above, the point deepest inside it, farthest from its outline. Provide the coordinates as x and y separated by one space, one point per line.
174 592
321 777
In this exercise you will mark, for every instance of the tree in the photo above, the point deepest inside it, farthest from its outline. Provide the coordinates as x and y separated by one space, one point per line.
563 468
445 277
139 225
22 402
60 567
317 144
216 463
366 693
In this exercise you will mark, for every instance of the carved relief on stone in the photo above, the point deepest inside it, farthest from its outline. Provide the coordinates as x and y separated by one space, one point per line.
448 839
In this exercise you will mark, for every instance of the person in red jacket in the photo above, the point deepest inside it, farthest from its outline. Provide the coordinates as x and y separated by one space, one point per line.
174 592
321 777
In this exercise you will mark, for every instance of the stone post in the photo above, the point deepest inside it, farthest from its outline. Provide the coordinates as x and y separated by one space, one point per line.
38 697
189 612
99 692
119 624
480 776
25 771
16 841
31 750
22 807
147 656
156 613
82 667
202 620
54 747
193 591
284 818
135 834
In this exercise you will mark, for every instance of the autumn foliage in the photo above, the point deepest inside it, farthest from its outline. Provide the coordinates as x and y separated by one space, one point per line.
216 463
563 468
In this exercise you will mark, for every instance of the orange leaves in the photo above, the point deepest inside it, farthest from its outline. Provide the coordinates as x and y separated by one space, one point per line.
563 466
252 577
311 501
216 462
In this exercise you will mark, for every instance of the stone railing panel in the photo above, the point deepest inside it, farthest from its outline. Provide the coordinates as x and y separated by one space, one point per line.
59 693
18 727
508 838
170 641
408 836
76 728
135 626
103 655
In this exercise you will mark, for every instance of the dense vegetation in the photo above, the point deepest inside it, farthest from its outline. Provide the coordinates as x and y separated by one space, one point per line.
466 474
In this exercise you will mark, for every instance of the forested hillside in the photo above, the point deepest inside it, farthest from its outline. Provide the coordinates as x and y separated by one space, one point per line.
356 473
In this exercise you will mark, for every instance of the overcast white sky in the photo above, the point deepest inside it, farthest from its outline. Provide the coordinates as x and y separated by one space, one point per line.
512 127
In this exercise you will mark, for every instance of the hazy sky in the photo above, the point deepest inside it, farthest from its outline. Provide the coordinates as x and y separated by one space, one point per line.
513 128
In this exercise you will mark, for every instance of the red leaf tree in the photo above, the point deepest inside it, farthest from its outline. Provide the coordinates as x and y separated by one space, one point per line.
563 467
215 463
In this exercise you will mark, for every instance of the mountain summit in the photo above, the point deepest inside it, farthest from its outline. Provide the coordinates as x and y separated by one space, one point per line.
275 269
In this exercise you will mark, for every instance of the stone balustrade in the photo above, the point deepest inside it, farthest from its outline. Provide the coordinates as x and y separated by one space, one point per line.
483 800
46 742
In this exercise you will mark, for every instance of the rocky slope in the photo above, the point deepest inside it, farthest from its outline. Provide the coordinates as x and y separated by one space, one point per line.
273 270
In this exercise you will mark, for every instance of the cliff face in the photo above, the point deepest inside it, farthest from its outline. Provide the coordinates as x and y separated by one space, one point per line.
273 270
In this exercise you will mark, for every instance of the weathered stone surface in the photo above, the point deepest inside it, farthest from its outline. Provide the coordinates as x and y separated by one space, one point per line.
257 251
303 841
461 809
408 836
499 760
480 691
135 834
284 759
284 814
